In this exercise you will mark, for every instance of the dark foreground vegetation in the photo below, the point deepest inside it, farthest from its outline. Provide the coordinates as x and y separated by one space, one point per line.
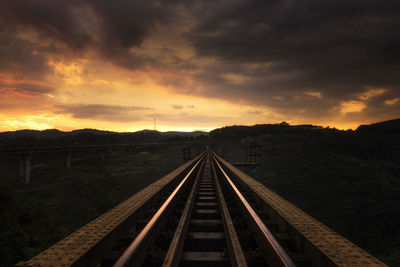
349 180
56 138
59 201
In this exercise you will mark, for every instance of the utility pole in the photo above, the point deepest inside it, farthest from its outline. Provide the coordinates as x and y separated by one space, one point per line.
155 124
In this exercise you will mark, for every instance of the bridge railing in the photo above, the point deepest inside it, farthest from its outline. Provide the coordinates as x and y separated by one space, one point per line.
321 245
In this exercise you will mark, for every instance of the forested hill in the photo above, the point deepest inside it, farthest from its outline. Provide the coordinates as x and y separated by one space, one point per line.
349 180
54 137
234 132
376 141
389 127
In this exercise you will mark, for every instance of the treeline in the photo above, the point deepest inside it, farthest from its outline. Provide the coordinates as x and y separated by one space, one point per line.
349 180
51 138
376 141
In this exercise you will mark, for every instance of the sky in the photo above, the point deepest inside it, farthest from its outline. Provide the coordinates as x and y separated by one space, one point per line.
197 65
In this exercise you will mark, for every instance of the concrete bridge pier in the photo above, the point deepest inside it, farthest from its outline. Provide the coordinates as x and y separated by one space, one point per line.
186 153
68 159
21 166
101 153
25 167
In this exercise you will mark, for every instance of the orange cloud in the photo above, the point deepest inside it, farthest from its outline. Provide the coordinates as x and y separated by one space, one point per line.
351 106
392 101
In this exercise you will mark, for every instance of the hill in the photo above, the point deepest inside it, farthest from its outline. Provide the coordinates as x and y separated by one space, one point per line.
389 127
54 137
349 180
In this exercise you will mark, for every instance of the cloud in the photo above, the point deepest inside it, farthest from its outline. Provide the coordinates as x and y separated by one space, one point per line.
113 113
28 99
192 119
50 19
109 28
25 88
300 59
20 57
278 50
177 106
32 88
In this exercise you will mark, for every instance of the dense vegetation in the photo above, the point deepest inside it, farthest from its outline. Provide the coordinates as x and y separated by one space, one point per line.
349 180
53 138
58 200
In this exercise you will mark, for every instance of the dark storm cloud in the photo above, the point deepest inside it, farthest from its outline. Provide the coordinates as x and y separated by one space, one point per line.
114 113
271 53
109 27
335 47
127 22
20 57
379 107
55 19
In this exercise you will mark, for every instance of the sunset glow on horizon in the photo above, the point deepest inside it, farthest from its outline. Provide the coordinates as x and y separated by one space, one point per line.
191 66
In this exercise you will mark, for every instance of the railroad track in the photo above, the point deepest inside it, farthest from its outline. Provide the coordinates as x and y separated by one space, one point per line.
206 213
205 234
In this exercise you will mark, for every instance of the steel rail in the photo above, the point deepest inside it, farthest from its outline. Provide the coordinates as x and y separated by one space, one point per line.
279 255
175 249
237 257
135 246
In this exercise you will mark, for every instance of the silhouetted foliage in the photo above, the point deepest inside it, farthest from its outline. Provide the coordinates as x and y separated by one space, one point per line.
349 180
51 138
59 201
389 127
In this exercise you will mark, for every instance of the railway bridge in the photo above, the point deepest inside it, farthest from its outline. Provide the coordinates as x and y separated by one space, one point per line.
205 213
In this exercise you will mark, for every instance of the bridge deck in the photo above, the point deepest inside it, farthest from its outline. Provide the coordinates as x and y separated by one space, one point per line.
321 245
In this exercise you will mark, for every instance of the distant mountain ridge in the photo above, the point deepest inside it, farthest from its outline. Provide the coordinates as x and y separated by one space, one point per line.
389 127
240 131
56 132
54 137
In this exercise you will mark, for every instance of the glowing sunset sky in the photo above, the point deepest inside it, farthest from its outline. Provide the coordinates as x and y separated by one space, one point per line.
197 65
